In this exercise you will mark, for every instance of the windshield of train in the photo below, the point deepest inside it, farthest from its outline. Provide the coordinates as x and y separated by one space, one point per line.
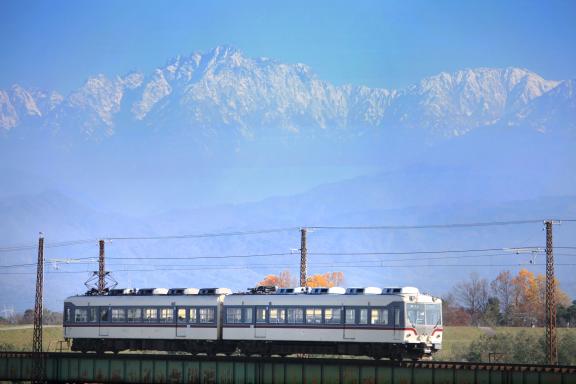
424 314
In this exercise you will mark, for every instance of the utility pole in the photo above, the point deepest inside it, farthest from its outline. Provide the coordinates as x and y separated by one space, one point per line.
551 346
38 362
101 272
303 257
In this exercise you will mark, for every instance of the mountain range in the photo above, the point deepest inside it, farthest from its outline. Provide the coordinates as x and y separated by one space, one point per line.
224 93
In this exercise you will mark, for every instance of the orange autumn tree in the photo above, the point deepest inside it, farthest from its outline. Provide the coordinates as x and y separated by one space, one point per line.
328 279
285 279
282 280
529 297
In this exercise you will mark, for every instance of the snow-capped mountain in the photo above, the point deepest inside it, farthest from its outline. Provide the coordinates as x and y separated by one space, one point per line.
224 92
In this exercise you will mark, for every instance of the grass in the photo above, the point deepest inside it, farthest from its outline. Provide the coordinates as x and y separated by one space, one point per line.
14 338
456 340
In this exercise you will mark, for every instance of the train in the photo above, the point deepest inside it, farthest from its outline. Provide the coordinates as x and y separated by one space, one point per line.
396 323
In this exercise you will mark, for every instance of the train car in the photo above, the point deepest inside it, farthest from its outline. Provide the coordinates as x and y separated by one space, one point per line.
187 319
393 322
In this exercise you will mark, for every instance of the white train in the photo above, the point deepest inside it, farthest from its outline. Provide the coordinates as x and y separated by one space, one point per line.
392 322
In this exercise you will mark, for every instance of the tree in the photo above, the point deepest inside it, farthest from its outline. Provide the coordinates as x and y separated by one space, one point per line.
472 295
285 279
492 315
28 317
502 288
328 279
452 313
282 280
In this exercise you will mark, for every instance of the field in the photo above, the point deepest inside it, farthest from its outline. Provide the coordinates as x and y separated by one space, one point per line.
455 346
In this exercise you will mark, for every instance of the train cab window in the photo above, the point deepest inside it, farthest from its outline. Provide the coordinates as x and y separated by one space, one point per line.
134 314
93 315
260 314
181 315
104 314
81 315
379 316
277 315
206 315
332 315
363 318
295 316
248 315
313 315
396 316
150 315
68 314
166 315
118 315
350 316
433 314
233 315
193 315
416 314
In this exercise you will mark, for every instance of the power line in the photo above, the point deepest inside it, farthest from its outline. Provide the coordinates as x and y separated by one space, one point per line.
93 260
203 235
433 226
48 245
248 267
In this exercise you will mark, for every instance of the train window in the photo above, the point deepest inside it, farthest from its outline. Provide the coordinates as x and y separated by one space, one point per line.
260 314
379 316
68 314
118 314
363 316
314 315
295 315
396 316
433 314
192 317
92 315
150 314
333 315
277 315
81 315
134 314
233 315
350 316
104 314
248 315
166 315
416 314
206 315
181 313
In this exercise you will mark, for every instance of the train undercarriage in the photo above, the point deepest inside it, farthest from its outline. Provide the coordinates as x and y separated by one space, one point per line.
260 348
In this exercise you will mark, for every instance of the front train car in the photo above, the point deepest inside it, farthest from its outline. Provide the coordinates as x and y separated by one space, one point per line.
395 323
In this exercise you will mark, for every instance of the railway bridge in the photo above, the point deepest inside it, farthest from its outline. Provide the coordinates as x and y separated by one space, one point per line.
164 368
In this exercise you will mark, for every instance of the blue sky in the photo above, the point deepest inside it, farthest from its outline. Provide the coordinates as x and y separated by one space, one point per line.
57 44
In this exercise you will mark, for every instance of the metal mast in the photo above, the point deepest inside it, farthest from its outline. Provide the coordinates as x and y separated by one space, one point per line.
101 272
303 257
38 363
551 346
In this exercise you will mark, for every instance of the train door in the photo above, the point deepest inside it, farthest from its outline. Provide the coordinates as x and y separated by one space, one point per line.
103 321
181 322
398 329
261 322
349 321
